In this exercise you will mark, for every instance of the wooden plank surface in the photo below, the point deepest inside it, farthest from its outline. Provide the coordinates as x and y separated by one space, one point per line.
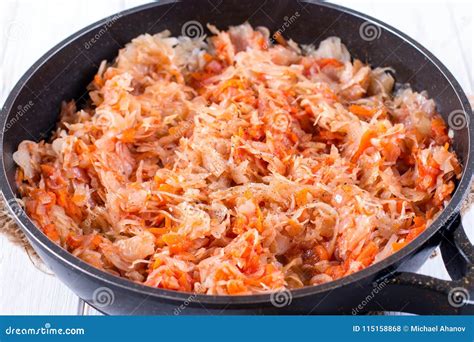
29 28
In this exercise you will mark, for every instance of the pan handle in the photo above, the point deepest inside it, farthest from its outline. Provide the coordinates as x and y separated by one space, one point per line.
421 294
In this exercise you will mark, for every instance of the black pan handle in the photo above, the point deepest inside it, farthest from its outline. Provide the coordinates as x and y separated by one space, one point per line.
421 294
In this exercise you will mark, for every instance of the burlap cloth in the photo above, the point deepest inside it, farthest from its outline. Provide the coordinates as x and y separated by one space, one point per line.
10 229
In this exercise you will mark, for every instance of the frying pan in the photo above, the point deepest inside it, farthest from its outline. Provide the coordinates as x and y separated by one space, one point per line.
32 109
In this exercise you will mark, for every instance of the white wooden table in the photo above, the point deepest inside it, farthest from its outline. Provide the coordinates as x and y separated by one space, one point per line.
29 28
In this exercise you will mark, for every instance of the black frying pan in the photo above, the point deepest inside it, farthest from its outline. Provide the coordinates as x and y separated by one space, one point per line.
32 108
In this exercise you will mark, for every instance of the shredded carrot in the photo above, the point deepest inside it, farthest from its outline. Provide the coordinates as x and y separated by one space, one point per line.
51 232
236 287
365 143
280 39
361 111
324 62
368 253
158 231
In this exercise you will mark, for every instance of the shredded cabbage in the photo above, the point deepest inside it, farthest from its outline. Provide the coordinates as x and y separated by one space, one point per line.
229 165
